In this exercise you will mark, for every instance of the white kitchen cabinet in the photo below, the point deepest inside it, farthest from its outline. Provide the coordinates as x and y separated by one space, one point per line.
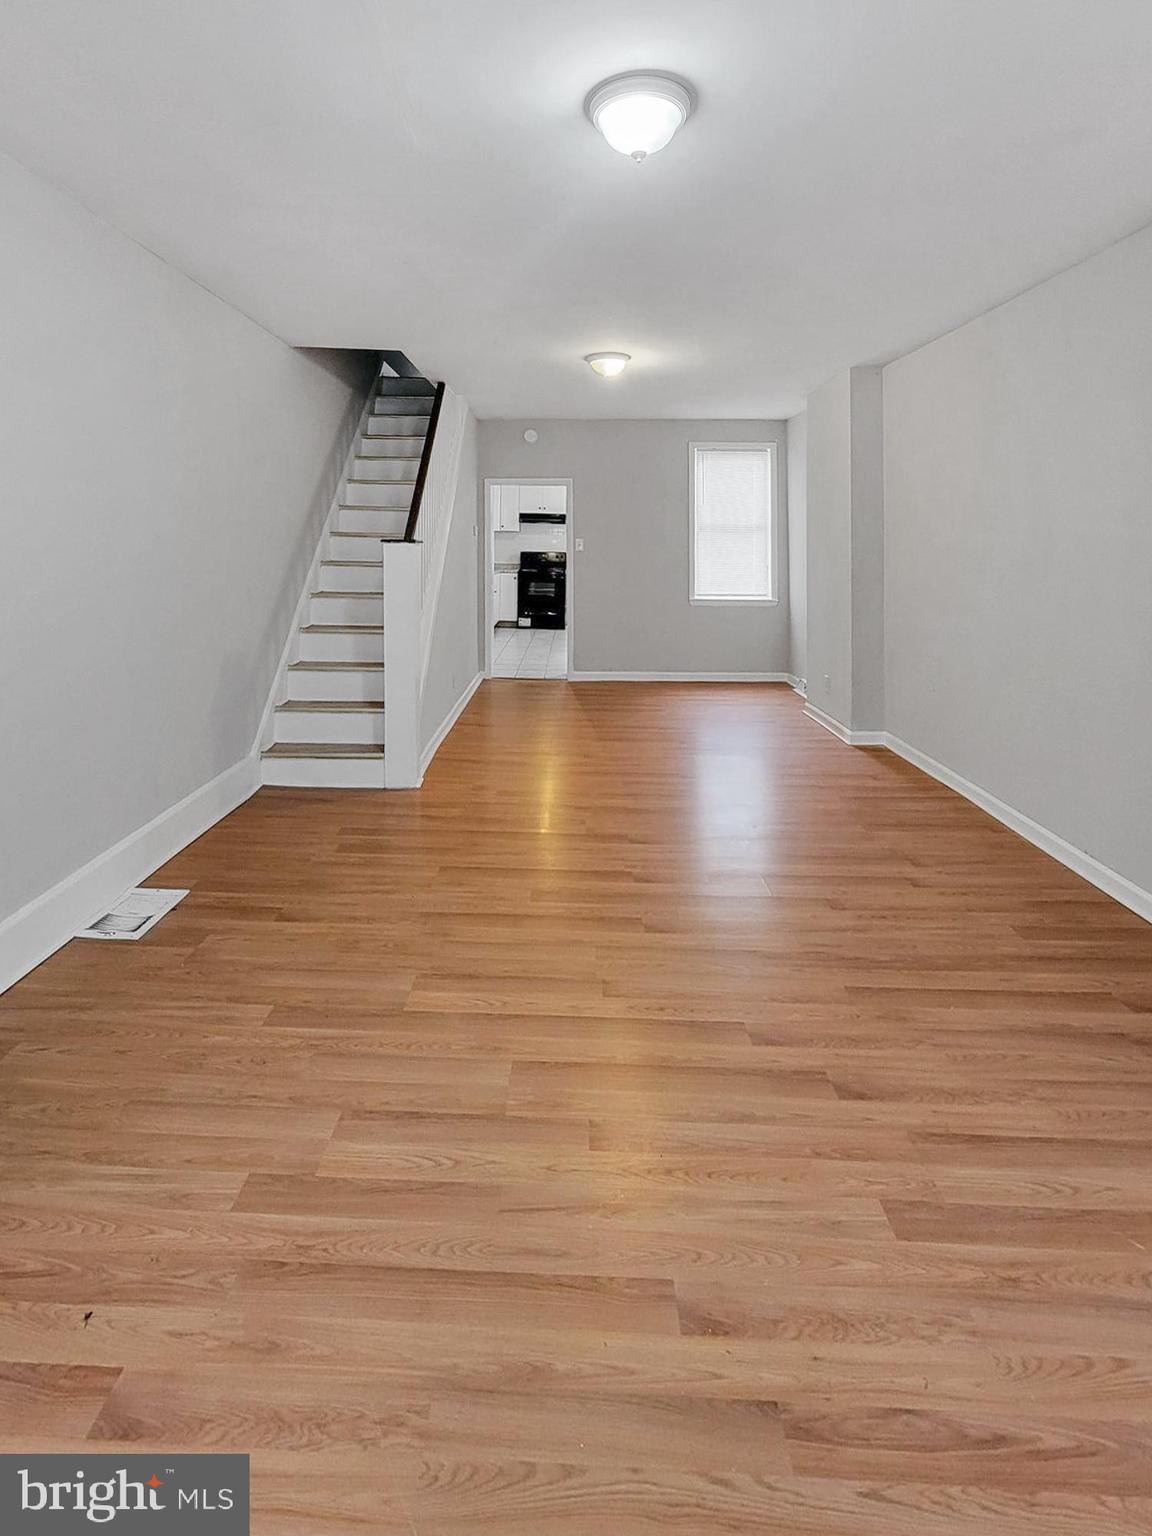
543 498
508 508
506 598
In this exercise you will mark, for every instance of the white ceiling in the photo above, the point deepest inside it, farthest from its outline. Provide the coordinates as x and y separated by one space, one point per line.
860 175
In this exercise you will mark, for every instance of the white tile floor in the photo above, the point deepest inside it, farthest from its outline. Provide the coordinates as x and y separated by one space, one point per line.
529 652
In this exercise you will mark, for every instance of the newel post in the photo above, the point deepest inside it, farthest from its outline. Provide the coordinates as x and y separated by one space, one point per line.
403 596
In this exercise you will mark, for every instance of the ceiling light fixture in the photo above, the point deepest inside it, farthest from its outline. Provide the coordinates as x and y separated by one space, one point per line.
638 113
608 364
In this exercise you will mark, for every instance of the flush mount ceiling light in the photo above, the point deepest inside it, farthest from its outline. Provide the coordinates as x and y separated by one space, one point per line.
638 113
608 364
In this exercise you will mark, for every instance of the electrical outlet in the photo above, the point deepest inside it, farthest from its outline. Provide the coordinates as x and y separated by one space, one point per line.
827 682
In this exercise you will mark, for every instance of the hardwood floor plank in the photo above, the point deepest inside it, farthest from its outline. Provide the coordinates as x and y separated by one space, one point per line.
228 1408
231 1158
54 1399
311 1334
1031 1226
618 1431
1016 1453
532 1498
555 1201
733 1177
487 1298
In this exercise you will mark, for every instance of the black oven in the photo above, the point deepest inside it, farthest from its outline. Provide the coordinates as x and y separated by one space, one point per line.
541 590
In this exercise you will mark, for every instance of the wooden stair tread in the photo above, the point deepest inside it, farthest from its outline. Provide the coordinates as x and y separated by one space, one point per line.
342 706
321 749
381 538
342 629
336 666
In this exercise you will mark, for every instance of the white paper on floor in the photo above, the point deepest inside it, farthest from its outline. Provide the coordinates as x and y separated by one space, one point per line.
133 915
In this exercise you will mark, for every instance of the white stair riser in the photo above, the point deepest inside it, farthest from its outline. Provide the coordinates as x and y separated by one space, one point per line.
352 578
414 426
324 772
362 493
402 405
400 386
385 521
383 467
376 445
368 647
362 728
365 687
343 546
346 608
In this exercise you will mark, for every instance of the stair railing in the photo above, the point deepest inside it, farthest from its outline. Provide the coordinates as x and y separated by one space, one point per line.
425 462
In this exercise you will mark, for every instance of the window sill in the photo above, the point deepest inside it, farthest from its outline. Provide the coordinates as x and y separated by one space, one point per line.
734 602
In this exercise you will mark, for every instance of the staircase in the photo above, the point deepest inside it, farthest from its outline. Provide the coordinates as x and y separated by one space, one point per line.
328 723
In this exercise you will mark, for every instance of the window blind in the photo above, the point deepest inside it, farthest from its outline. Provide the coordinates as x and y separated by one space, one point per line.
733 524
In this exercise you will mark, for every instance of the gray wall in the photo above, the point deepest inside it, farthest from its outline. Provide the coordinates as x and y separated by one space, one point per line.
1019 554
630 504
798 545
845 549
829 547
166 464
456 649
867 549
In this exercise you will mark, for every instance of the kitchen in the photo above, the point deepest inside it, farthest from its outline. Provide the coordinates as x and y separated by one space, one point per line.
528 607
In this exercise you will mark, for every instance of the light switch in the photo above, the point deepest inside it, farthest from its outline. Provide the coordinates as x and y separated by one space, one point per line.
579 545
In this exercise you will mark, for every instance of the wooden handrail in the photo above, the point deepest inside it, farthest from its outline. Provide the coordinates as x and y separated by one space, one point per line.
422 472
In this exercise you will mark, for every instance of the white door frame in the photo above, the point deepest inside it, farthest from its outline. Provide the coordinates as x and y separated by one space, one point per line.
488 565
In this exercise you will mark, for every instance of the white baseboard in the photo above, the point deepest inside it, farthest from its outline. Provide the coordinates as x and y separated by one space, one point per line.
1113 884
680 677
1105 879
841 732
447 723
32 934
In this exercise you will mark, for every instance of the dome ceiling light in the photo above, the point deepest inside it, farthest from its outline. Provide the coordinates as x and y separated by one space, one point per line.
638 113
608 364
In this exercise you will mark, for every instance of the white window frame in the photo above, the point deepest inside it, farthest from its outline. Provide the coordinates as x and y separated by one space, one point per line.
773 529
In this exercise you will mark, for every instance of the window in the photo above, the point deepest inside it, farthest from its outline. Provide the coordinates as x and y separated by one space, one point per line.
732 523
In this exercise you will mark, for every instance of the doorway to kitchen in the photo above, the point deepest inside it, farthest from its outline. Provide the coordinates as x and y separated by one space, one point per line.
528 604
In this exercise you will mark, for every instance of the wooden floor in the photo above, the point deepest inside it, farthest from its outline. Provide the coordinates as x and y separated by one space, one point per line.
669 1120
